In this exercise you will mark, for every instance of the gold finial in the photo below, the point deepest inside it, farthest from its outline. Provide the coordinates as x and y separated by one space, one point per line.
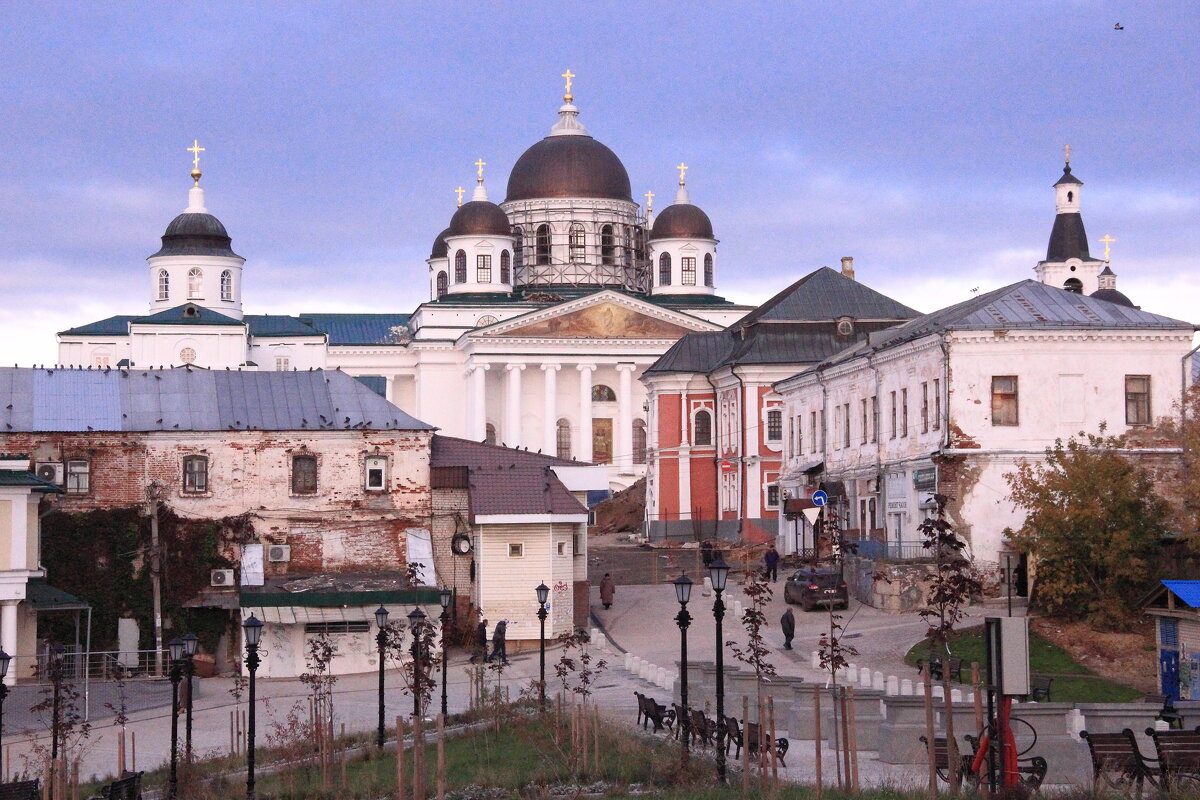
649 202
460 191
195 150
479 165
682 172
1067 154
1108 240
567 96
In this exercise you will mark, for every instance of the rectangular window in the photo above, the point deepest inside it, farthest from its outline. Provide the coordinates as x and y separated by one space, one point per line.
304 474
837 427
937 403
875 418
516 549
904 412
77 477
195 474
893 436
846 419
791 440
824 430
924 407
576 544
863 415
688 264
772 496
1137 399
282 363
1004 400
774 425
483 269
799 434
812 427
376 469
562 548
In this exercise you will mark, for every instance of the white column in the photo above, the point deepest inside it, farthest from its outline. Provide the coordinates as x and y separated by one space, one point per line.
623 445
512 407
389 391
684 420
478 404
550 409
583 448
8 635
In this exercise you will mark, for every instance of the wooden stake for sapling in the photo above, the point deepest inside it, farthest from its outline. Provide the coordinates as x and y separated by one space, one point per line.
121 752
817 737
399 758
441 757
133 751
926 679
852 745
774 755
745 746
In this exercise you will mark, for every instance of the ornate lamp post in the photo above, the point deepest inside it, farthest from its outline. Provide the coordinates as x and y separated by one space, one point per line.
176 648
5 660
252 630
543 594
683 593
444 595
190 644
416 623
381 621
718 571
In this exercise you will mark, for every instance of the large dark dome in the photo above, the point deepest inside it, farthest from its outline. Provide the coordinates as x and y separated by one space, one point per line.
1113 296
193 234
682 221
479 218
440 248
568 166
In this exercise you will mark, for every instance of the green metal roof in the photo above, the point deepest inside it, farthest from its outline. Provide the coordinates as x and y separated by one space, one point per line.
422 595
20 477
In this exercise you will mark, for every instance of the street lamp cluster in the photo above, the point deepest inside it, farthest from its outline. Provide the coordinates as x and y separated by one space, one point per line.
181 650
718 573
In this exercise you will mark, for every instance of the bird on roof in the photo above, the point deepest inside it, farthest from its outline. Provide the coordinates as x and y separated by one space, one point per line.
9 405
159 421
158 377
90 428
176 424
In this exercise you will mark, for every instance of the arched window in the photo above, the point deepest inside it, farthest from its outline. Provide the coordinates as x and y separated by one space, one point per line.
564 439
575 244
505 267
639 441
195 283
664 269
164 285
227 285
1074 285
1070 197
489 434
603 394
702 428
460 267
518 247
606 245
708 269
543 244
485 320
442 280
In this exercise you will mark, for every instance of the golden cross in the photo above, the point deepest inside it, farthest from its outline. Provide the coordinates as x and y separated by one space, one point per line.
649 201
459 191
1067 153
682 172
195 150
568 75
1108 240
479 165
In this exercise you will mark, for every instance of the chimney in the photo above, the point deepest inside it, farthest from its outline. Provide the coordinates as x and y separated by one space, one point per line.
848 267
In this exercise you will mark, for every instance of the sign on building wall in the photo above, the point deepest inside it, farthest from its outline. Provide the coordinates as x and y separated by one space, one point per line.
925 480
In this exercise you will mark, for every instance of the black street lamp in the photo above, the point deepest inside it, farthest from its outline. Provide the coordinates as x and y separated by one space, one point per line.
416 623
176 673
444 595
5 660
718 571
190 644
56 677
381 621
252 630
543 594
683 593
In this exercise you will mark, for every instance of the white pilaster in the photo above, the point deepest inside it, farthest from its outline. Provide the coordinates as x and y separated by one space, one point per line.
512 407
389 391
8 635
550 423
684 418
477 424
583 448
623 446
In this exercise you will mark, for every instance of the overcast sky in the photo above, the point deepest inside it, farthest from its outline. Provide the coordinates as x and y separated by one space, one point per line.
920 138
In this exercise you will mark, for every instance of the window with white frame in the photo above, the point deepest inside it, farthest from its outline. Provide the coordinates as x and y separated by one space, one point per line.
505 267
195 279
1137 399
687 267
227 285
376 473
773 496
78 476
483 268
702 428
774 425
195 474
283 363
164 285
639 441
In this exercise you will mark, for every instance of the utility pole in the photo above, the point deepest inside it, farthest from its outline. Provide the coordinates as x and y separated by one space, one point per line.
152 492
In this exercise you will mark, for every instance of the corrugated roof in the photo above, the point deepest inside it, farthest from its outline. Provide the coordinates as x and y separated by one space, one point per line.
187 314
826 294
349 329
191 399
112 326
1187 591
699 352
267 325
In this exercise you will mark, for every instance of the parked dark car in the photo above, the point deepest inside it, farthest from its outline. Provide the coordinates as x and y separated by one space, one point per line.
813 587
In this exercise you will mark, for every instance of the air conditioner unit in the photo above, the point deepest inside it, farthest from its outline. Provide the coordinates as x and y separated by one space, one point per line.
51 471
222 577
279 552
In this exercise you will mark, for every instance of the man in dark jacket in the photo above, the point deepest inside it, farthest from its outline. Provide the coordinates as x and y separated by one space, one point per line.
479 653
499 648
788 623
771 563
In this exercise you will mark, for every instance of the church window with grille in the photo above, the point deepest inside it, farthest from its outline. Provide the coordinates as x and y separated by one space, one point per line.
518 247
639 441
227 285
543 244
664 269
606 245
576 242
774 425
460 267
505 267
442 281
483 268
687 268
164 285
702 428
603 394
708 269
563 439
195 284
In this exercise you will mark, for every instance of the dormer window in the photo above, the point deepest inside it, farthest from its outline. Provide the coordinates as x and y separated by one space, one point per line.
191 312
845 326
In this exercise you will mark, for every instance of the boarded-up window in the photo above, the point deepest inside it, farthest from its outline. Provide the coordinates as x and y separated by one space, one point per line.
304 474
1004 400
1137 399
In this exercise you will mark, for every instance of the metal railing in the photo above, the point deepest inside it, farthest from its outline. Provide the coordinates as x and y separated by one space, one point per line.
890 551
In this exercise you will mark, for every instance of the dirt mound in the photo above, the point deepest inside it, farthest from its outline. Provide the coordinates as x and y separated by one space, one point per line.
1126 658
625 511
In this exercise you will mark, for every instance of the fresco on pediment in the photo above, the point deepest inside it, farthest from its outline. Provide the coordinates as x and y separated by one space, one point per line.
606 320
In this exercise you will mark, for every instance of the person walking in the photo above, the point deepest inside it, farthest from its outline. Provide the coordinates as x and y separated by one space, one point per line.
499 649
771 564
788 623
607 589
481 645
706 552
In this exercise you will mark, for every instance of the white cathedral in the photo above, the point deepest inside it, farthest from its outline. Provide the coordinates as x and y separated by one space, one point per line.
543 310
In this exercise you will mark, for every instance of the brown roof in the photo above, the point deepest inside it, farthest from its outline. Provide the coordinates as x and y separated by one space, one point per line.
503 480
450 451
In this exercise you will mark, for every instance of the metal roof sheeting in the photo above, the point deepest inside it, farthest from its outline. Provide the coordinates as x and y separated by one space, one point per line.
826 294
191 399
278 325
361 328
1187 591
112 326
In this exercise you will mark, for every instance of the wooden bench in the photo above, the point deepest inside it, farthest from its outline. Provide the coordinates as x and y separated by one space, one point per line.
127 787
733 737
1178 758
1117 760
704 730
20 790
941 759
754 739
650 710
935 668
1039 688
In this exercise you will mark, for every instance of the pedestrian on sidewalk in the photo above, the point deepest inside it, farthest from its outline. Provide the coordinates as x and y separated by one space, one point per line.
706 552
607 589
771 564
788 623
499 649
479 653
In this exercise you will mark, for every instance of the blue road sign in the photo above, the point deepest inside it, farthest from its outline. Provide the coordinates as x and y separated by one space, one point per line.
819 498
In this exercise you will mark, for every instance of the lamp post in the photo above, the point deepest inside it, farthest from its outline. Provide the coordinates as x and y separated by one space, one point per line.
444 595
718 571
543 594
176 674
416 623
56 677
683 593
252 630
5 660
381 621
190 644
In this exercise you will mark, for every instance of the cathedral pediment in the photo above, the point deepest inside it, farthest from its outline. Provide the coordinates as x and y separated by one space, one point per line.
610 317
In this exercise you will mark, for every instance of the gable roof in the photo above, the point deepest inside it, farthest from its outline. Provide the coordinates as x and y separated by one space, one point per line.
1187 591
503 480
451 451
350 329
827 294
191 399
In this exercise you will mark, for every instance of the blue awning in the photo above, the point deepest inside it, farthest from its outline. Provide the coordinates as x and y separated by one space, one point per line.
1187 591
